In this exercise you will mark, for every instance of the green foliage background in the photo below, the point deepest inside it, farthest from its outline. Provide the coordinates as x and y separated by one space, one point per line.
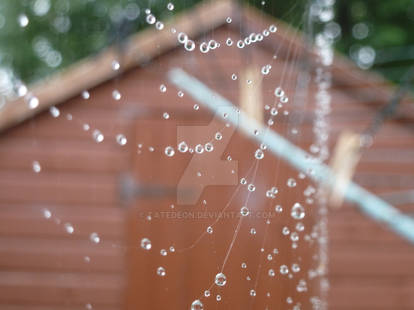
390 25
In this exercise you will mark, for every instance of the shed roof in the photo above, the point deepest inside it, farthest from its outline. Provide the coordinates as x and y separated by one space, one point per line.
368 87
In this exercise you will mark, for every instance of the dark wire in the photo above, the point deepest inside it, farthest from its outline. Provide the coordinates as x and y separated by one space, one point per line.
389 110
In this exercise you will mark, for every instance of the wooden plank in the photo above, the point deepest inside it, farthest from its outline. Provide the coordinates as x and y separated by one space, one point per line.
67 188
61 255
63 155
57 307
371 260
30 221
60 288
371 293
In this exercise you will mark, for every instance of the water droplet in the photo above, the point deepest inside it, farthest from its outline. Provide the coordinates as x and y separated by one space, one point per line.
47 214
297 212
220 279
204 47
94 237
98 136
218 136
207 293
208 147
146 244
266 69
251 187
115 65
240 44
244 211
33 102
243 265
234 77
252 293
300 226
85 95
197 305
259 154
169 151
212 44
229 42
271 273
165 115
159 25
278 208
163 252
189 45
209 229
182 147
161 271
301 287
170 6
291 182
151 19
284 269
69 228
228 20
199 149
54 111
21 90
294 236
272 28
36 166
172 249
116 94
218 297
295 267
243 181
279 92
180 94
285 231
23 20
252 231
196 107
121 139
182 37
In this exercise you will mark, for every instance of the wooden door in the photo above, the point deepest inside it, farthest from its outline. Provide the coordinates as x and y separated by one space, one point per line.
248 250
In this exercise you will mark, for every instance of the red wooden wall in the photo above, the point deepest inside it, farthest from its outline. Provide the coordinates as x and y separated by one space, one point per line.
42 266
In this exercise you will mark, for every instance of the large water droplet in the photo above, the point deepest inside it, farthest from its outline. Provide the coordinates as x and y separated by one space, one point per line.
116 95
297 212
54 111
85 95
170 6
146 244
36 166
161 271
23 20
98 136
244 211
220 279
69 228
284 269
197 305
94 237
33 102
121 139
291 182
169 151
259 154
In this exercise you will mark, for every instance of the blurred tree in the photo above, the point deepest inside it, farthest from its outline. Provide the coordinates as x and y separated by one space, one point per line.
37 37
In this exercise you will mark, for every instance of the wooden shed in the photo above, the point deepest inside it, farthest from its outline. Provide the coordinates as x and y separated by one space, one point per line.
86 176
